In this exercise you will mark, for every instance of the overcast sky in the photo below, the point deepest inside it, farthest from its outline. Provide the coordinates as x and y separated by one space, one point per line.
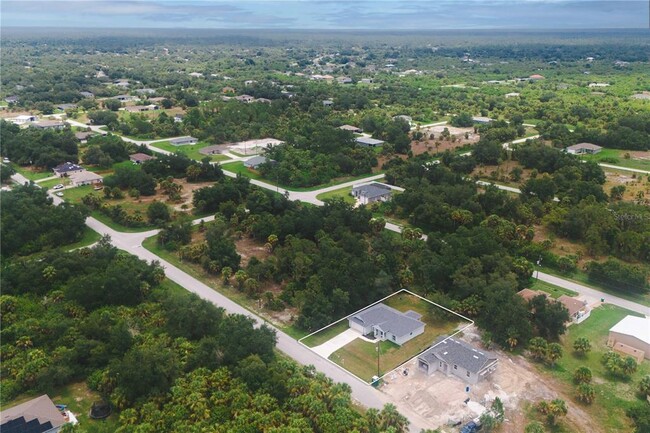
328 14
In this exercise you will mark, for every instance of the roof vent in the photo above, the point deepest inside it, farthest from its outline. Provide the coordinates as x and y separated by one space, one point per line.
445 353
475 356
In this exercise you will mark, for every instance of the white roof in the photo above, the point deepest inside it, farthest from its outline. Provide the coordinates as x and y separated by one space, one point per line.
638 327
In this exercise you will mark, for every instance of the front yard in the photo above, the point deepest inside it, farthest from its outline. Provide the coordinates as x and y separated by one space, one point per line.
191 151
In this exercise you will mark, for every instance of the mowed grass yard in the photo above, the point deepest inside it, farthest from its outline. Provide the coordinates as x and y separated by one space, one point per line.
360 357
640 164
343 193
613 395
191 151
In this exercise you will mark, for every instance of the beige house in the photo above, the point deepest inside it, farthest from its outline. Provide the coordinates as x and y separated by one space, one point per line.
631 336
579 311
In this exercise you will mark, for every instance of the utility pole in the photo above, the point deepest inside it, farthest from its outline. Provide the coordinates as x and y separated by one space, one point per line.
377 349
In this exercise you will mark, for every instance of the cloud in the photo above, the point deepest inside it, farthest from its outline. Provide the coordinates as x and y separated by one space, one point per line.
329 14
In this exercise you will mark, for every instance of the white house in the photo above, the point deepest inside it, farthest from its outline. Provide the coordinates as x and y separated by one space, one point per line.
22 119
387 324
372 193
583 149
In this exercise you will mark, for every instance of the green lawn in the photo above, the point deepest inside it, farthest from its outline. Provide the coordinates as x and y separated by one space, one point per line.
191 151
79 399
360 357
551 289
613 396
32 174
238 168
326 334
343 193
50 183
89 237
620 155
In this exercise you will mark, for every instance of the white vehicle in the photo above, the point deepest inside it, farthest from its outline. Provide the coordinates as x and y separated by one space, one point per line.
6 160
58 186
59 194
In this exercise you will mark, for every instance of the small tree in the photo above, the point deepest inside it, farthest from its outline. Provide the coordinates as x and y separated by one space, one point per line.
158 213
226 273
538 348
644 386
553 409
534 427
582 346
585 393
582 375
554 353
240 278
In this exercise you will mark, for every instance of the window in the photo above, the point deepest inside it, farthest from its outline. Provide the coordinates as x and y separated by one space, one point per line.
467 374
393 338
441 364
455 367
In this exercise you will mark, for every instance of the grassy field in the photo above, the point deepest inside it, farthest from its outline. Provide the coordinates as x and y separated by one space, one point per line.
79 399
191 151
551 289
89 237
32 174
620 155
343 193
238 168
613 395
360 357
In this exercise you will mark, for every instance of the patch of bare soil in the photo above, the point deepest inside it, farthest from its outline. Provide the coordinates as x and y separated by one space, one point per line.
439 400
248 248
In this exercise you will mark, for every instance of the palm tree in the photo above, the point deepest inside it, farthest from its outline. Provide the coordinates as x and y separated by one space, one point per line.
554 352
644 386
538 347
534 427
629 366
226 273
582 375
582 345
390 417
585 393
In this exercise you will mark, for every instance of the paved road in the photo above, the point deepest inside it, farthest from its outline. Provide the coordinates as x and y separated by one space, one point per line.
595 294
618 167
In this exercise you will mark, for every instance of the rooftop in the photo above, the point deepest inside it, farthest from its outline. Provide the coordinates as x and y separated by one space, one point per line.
456 352
638 327
372 190
41 410
140 157
589 146
369 141
388 319
572 304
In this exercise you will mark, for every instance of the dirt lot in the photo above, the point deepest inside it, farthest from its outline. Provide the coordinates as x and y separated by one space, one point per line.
438 400
633 185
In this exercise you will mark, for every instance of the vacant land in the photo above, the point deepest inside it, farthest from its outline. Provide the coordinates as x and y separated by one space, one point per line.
624 158
552 289
360 356
191 151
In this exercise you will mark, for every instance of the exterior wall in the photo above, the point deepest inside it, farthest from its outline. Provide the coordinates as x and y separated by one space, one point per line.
406 338
358 327
449 370
68 173
581 316
615 337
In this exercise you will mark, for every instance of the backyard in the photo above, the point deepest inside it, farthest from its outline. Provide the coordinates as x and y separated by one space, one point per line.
625 158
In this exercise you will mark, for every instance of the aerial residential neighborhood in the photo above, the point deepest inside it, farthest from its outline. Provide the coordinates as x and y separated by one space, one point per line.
363 217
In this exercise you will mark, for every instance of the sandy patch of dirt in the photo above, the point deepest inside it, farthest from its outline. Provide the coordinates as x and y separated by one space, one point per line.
248 248
439 400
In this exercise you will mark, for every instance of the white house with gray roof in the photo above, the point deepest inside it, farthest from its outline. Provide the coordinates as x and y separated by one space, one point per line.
386 323
368 142
372 193
455 357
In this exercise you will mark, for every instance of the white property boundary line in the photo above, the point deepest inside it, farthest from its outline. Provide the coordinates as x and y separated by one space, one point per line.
471 323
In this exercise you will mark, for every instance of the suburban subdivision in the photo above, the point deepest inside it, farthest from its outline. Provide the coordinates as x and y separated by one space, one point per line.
365 229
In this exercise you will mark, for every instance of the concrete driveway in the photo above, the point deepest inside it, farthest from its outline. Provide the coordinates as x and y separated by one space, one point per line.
334 344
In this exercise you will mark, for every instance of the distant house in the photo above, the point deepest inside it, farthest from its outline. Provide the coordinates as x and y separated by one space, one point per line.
351 128
67 168
141 108
583 149
247 99
83 136
631 336
182 141
451 356
126 98
145 91
481 119
366 80
12 100
598 84
536 77
195 74
49 124
579 311
22 119
372 193
263 100
328 103
64 107
139 158
512 95
404 117
249 82
178 118
368 142
85 177
642 95
344 80
38 415
122 83
227 89
387 324
528 294
256 161
87 94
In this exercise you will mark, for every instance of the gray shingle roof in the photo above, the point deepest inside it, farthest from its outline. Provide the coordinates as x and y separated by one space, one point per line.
388 319
456 352
367 141
255 161
371 190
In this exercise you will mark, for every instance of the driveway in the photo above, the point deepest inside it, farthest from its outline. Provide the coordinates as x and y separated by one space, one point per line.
334 344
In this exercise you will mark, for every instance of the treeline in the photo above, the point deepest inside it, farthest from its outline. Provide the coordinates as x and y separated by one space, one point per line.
31 223
45 148
629 132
